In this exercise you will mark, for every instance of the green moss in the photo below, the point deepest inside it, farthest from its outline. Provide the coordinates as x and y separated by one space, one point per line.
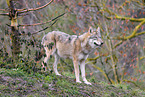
51 85
2 87
45 86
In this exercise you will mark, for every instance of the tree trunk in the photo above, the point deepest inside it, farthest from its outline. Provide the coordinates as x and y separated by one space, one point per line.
15 35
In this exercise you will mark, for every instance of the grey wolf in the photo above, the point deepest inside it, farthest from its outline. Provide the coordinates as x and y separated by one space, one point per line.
77 48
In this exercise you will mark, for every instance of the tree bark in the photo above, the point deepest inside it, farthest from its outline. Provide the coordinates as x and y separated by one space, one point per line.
15 35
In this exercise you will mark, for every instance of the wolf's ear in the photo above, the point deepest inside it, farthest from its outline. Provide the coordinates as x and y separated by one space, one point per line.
98 31
90 30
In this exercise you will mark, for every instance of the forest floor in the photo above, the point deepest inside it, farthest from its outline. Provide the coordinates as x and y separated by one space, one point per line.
17 83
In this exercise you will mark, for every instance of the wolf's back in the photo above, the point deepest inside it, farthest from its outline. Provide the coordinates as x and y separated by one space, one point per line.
50 39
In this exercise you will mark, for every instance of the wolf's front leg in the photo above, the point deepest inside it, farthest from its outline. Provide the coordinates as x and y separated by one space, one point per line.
76 67
82 66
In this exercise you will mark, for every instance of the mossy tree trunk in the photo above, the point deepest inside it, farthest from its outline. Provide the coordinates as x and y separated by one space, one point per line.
13 14
15 35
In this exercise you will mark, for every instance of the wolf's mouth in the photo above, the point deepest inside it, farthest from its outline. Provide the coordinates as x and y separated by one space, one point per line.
98 44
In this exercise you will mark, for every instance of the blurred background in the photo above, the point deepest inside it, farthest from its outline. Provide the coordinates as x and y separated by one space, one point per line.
122 22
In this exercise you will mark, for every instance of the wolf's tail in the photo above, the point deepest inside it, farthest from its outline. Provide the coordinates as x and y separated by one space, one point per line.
39 54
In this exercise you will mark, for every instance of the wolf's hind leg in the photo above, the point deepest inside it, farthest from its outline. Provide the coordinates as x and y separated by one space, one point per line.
44 63
55 64
46 58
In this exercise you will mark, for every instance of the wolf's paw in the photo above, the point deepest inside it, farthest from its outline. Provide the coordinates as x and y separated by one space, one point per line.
59 74
88 83
78 81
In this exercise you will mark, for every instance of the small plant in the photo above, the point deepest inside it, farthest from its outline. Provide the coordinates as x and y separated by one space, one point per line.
45 86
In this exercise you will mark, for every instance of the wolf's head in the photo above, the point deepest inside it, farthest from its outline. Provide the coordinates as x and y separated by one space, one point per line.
94 37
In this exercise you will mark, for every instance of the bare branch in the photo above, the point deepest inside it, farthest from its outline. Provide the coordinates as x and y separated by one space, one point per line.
134 34
138 2
36 23
120 42
143 57
33 9
3 10
122 17
141 33
134 31
42 29
45 28
6 14
126 18
43 22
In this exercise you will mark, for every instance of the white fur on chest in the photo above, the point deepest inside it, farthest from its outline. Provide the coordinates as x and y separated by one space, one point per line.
82 56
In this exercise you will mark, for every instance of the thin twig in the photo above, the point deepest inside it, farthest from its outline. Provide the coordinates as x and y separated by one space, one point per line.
6 14
33 9
105 70
3 10
43 22
45 28
42 29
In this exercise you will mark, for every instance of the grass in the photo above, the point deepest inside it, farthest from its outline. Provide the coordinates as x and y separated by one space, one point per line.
16 82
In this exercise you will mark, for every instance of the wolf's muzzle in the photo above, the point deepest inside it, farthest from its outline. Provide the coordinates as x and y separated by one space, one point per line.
98 44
